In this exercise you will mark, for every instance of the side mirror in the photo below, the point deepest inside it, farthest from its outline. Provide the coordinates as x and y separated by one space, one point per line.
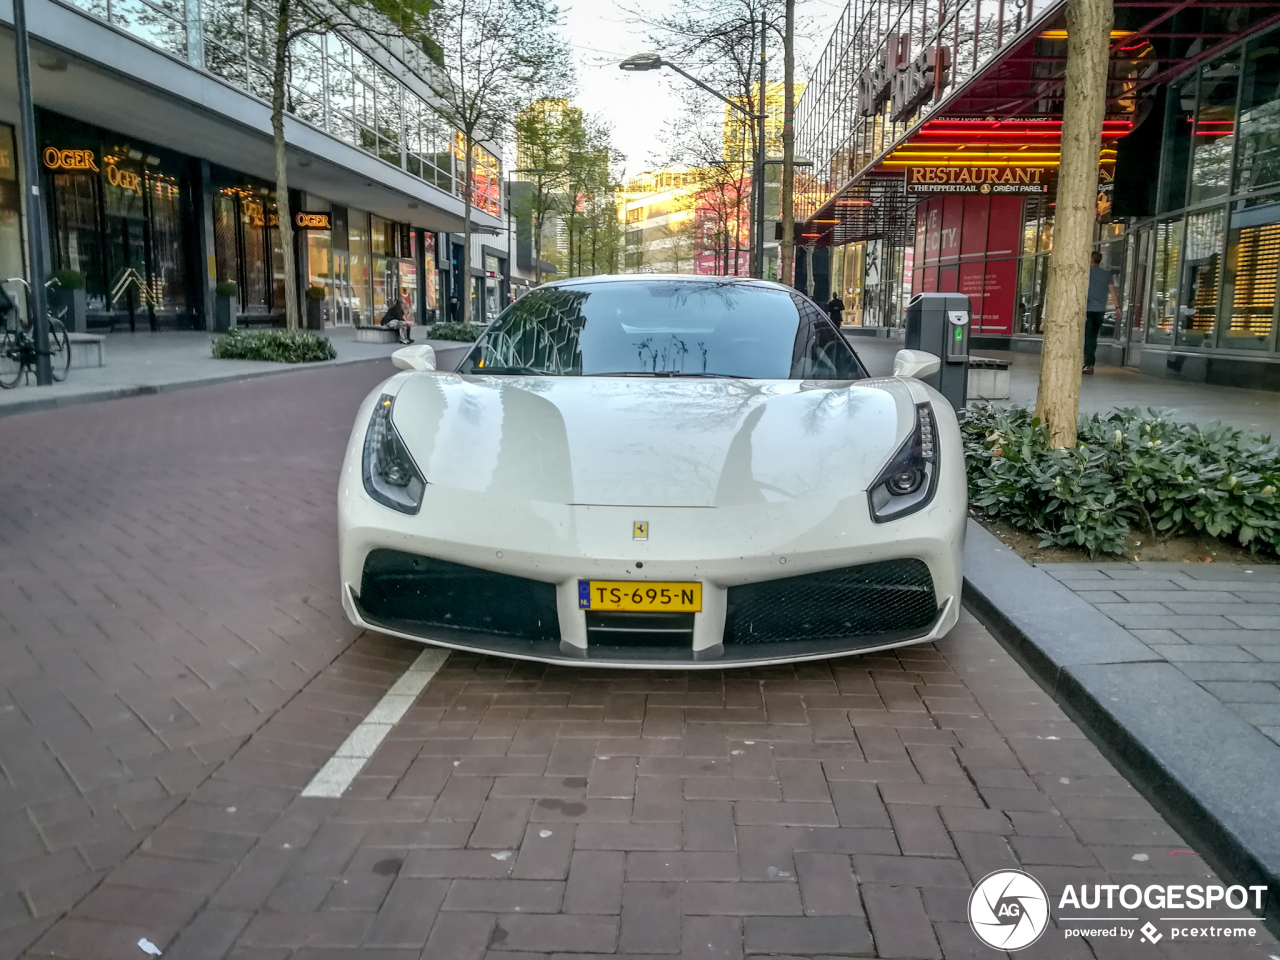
421 357
915 363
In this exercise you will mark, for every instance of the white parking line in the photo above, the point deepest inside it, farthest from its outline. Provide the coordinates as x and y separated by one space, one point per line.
336 775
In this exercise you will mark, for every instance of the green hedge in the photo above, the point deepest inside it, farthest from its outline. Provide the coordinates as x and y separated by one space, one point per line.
281 346
1128 471
466 332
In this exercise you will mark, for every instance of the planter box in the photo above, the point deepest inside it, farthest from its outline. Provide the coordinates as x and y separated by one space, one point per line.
224 314
73 301
376 335
315 314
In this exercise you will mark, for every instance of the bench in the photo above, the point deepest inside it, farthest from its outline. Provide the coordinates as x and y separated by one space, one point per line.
988 379
376 334
87 350
246 320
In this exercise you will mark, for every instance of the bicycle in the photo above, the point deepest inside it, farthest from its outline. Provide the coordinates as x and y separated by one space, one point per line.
18 352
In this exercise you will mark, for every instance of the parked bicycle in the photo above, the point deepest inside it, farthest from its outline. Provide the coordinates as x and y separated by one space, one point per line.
18 352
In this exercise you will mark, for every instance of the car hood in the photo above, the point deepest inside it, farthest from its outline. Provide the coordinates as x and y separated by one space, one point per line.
632 441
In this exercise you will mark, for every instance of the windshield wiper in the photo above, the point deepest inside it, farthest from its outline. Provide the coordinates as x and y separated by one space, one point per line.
510 371
668 374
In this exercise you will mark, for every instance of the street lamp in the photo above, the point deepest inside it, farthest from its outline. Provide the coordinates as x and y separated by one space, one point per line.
652 61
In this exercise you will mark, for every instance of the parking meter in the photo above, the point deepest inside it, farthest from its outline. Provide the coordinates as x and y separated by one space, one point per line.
938 323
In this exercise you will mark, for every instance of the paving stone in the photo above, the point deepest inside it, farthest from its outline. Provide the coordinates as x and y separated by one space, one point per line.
650 921
808 936
553 934
899 922
827 885
505 896
595 882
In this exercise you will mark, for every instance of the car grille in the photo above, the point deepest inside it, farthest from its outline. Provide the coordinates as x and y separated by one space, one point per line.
618 629
890 598
403 587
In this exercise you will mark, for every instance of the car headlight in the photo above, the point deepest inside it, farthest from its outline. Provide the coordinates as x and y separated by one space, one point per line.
390 475
907 482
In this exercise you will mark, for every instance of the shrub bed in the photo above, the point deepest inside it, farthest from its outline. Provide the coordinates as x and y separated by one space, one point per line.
280 346
1128 471
465 332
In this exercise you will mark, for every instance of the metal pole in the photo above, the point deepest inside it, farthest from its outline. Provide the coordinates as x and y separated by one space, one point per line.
761 113
35 217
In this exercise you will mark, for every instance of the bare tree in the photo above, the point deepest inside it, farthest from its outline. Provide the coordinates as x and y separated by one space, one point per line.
294 21
1084 105
495 55
786 250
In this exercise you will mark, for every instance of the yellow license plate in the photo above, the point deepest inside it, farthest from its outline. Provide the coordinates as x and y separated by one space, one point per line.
651 597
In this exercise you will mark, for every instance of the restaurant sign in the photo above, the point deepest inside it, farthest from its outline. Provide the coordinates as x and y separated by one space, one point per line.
1001 178
312 221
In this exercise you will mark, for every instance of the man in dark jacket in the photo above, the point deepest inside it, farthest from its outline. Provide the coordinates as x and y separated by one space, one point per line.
395 319
835 308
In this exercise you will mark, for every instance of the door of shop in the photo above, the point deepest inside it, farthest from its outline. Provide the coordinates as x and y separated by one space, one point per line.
1137 274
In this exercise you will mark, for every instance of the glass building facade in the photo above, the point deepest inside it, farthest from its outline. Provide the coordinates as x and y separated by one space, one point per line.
332 84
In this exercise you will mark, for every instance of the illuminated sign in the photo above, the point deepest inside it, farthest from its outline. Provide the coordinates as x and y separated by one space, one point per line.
56 159
312 221
124 179
983 180
908 83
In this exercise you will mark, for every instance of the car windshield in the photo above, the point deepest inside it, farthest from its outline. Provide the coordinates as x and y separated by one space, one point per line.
665 328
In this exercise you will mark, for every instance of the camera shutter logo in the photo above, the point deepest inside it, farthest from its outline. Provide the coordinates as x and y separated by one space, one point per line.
1008 910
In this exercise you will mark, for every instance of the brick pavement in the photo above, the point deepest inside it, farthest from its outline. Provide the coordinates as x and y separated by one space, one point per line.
178 669
167 582
1217 623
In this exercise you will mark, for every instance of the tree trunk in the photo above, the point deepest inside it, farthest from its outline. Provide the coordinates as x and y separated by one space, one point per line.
464 292
282 167
786 252
1084 105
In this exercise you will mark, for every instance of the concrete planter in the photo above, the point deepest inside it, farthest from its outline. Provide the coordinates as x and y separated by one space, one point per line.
74 302
315 314
224 314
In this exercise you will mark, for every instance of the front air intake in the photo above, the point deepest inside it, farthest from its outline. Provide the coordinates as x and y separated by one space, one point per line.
423 591
875 601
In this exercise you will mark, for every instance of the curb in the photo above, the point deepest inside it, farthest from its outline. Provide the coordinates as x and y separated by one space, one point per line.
36 404
1211 774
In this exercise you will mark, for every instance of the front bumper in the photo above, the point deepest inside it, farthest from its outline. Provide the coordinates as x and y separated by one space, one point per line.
719 656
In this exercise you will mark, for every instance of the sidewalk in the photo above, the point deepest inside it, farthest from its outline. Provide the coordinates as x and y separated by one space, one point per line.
138 363
1257 411
1172 670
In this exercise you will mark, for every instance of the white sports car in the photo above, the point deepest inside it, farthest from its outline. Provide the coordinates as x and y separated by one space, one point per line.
659 472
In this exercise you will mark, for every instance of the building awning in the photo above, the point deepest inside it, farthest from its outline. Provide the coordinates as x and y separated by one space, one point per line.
1005 120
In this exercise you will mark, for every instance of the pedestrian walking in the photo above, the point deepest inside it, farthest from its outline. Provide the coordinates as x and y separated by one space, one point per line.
835 308
1101 287
396 319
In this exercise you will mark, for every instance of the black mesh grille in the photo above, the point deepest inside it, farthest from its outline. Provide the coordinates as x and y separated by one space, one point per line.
405 587
873 600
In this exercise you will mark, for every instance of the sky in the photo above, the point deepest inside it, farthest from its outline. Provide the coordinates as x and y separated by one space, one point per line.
639 106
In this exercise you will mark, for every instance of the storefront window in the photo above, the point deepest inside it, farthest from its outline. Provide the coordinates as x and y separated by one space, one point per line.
1215 128
382 269
430 284
1258 159
1250 290
11 261
320 265
1201 276
1177 147
359 264
1164 282
492 287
